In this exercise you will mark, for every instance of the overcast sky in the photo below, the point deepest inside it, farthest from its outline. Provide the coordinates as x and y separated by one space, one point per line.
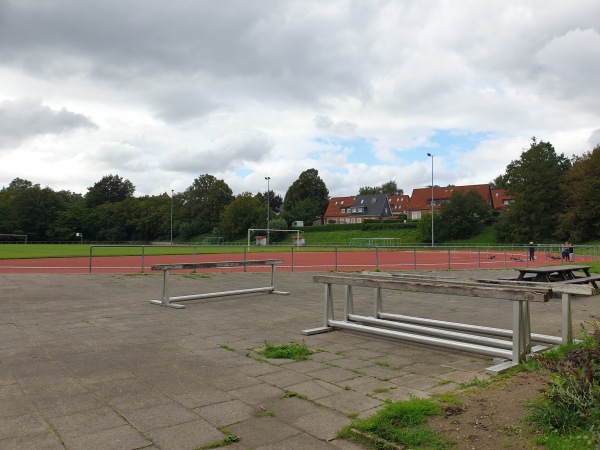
161 92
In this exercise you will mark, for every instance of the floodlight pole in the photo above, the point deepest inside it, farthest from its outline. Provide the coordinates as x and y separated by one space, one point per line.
172 193
268 207
432 235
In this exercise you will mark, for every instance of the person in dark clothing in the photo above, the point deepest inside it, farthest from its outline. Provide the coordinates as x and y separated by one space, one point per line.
531 251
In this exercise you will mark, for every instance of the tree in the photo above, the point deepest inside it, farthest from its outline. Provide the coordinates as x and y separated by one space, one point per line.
110 189
273 200
462 216
389 188
580 218
307 198
246 211
499 182
35 210
203 203
534 183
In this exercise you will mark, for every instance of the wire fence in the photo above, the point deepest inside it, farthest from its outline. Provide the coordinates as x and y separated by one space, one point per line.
352 258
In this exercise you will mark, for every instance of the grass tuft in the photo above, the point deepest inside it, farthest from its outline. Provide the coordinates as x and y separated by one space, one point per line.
293 350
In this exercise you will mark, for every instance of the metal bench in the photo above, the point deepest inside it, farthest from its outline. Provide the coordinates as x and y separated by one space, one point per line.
436 332
167 300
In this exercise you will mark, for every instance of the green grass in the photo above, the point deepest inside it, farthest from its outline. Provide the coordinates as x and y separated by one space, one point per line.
293 350
399 423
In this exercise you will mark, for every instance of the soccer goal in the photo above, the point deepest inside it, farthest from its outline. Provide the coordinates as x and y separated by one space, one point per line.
14 238
375 242
263 232
213 240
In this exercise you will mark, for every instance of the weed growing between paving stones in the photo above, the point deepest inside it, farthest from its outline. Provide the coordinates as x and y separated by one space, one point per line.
293 350
227 347
569 409
230 439
399 423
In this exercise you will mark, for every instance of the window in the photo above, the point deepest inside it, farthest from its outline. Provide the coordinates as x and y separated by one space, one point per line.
359 220
343 210
361 209
353 220
416 215
374 200
353 210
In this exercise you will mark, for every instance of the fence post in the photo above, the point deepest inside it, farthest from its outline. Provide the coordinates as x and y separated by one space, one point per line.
415 258
505 258
292 258
194 258
449 251
478 257
244 258
376 258
336 258
143 248
91 250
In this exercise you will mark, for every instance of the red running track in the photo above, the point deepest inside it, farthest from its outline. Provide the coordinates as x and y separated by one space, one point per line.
298 261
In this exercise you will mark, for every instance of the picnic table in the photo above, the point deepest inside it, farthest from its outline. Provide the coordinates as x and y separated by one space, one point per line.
562 274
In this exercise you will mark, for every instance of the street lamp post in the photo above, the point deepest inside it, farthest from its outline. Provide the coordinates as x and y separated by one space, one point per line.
172 193
268 207
432 235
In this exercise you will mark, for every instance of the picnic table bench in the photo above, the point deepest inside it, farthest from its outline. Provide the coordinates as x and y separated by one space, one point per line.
435 332
167 300
560 274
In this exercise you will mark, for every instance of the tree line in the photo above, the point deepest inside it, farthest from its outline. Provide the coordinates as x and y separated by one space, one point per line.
109 211
554 199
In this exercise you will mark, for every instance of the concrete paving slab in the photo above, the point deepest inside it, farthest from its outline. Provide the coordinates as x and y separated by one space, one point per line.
108 369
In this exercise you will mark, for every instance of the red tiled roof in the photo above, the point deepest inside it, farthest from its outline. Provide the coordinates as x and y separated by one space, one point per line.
334 209
420 199
399 203
500 198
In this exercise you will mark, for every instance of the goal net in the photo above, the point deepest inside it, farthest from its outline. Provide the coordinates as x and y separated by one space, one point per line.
375 242
213 240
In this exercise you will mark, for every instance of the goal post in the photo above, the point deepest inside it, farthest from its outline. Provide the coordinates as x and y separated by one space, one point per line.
21 236
375 242
213 240
266 231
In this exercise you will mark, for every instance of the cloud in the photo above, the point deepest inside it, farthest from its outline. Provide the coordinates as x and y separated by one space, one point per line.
225 153
165 91
26 118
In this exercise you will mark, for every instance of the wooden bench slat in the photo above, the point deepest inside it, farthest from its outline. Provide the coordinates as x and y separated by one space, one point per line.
471 289
207 265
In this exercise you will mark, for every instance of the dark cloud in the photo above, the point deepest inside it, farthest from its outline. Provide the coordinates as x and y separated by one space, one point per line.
26 118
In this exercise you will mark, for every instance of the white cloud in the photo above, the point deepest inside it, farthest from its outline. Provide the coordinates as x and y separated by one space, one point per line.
160 93
26 118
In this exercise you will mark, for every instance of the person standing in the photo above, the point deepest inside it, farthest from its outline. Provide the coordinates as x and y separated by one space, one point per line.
565 251
571 252
531 251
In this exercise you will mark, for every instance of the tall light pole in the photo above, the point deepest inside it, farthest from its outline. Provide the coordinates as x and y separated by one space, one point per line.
431 156
172 194
268 206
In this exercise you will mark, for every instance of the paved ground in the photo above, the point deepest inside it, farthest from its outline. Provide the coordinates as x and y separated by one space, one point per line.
86 362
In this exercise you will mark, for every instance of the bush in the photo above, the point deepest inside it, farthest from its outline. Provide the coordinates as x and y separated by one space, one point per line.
571 400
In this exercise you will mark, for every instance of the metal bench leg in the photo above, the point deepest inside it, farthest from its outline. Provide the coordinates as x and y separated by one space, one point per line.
378 302
349 305
327 316
166 293
567 330
518 332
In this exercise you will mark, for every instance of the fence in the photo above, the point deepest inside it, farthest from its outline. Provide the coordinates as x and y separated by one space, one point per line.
346 258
